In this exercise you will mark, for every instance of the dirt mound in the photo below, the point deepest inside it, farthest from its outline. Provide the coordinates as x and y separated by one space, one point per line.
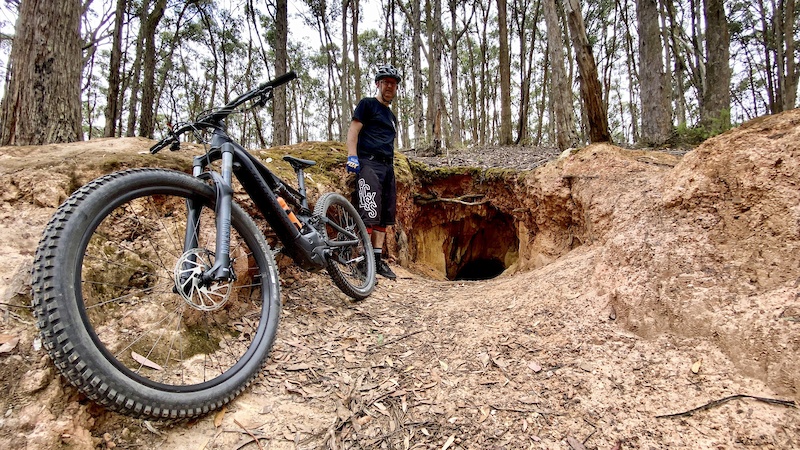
645 284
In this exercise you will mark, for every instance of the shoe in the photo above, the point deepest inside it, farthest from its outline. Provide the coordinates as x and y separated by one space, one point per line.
383 269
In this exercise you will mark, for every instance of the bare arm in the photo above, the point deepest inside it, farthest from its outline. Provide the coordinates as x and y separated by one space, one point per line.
352 137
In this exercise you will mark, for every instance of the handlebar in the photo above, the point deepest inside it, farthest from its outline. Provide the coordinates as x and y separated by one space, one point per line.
264 90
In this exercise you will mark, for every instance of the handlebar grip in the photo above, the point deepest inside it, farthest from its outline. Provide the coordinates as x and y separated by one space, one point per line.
285 78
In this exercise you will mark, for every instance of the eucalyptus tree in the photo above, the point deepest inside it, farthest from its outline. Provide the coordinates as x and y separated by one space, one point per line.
591 91
320 16
114 75
716 98
413 16
504 64
457 32
433 14
764 36
562 110
150 23
655 85
526 14
42 102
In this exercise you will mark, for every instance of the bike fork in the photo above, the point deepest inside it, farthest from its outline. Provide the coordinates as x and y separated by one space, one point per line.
224 198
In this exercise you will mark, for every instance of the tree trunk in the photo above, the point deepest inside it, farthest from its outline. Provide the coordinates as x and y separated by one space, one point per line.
112 97
357 89
681 67
280 125
436 101
455 135
791 73
483 80
633 71
656 111
716 106
473 91
561 94
527 44
345 105
505 137
42 103
418 113
591 92
543 103
146 122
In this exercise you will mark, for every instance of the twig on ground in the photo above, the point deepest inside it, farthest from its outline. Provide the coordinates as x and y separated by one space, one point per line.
384 344
709 405
16 306
252 436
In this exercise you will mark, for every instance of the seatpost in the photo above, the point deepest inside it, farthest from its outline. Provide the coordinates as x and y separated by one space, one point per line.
301 188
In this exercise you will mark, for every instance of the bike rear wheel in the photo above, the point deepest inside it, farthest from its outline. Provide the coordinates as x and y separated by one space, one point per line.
108 310
352 266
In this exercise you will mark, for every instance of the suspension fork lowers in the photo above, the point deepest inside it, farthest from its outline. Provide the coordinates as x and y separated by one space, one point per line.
224 199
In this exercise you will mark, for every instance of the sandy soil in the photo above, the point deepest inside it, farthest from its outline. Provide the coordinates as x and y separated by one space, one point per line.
678 290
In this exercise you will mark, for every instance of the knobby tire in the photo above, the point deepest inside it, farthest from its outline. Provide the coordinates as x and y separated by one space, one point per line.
108 313
352 268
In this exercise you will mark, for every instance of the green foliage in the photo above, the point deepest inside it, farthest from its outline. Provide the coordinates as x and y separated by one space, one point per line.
686 135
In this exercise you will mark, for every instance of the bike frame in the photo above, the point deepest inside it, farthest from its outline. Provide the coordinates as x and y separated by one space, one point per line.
306 246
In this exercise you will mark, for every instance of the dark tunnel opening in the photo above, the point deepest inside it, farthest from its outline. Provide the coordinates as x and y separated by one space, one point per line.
480 269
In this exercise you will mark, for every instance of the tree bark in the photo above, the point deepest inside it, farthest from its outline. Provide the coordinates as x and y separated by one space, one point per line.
280 125
42 103
357 89
457 126
436 101
114 79
656 111
561 94
416 74
791 73
527 43
591 92
715 110
505 137
633 71
146 122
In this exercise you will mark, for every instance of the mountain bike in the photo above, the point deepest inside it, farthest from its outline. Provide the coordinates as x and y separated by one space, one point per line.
157 295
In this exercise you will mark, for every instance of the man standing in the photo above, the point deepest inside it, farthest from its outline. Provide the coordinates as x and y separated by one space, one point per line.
370 150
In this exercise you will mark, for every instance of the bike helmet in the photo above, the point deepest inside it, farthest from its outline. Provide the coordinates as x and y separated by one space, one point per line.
387 71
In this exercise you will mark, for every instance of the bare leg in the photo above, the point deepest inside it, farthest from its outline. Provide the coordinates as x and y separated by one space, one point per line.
378 239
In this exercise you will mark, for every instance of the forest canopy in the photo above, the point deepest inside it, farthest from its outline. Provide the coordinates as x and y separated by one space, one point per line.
508 72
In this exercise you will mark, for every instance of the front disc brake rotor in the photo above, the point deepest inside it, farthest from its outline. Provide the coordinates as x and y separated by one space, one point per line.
198 294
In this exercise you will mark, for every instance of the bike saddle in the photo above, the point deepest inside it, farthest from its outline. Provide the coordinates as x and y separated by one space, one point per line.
298 163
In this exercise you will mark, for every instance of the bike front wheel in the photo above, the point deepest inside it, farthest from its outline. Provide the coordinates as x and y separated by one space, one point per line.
115 311
351 263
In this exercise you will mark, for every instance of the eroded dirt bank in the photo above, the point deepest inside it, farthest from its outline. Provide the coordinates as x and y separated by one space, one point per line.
633 269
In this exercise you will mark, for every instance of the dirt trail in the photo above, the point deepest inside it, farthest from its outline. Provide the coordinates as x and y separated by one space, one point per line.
679 288
527 361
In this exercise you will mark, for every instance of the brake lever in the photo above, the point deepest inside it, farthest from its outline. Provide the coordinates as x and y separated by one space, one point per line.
264 97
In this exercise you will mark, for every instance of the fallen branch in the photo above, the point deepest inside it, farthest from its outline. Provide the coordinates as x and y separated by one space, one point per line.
709 405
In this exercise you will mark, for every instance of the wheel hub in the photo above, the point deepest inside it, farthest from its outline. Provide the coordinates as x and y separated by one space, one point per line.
189 282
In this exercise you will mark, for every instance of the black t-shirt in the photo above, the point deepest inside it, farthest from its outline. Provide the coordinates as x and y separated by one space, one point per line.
379 128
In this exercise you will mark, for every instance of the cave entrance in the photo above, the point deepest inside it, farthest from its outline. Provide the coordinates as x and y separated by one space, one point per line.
465 242
481 269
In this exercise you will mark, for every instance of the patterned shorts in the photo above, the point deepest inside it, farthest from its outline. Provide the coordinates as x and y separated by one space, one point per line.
375 195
